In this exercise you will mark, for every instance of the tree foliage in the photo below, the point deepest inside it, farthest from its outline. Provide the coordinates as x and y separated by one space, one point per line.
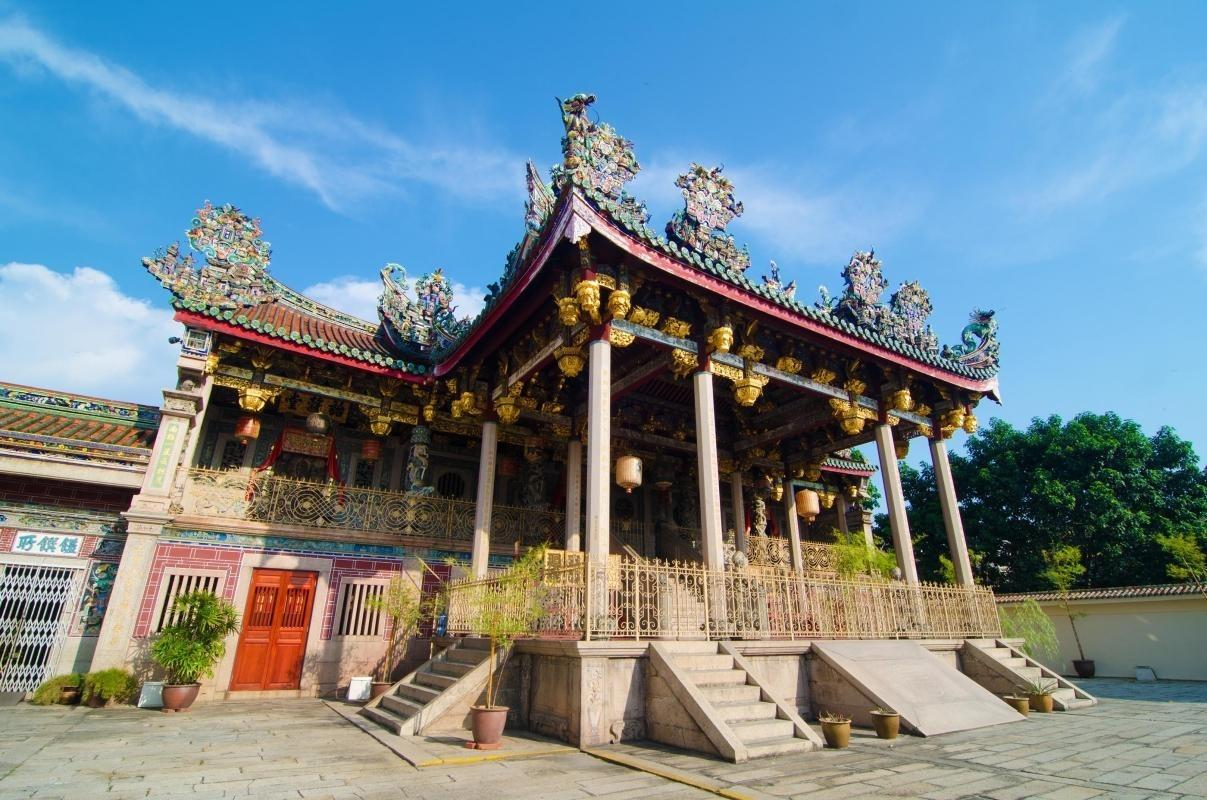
1133 507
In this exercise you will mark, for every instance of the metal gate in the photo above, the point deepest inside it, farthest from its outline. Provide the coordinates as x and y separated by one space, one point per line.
36 607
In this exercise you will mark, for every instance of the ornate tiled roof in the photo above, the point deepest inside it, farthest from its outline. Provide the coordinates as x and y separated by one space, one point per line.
234 287
76 426
850 464
1111 593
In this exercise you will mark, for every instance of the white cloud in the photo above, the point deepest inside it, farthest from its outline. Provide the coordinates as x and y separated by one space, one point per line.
77 331
339 158
1089 51
358 297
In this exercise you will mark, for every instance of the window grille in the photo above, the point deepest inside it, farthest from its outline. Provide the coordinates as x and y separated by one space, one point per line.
177 582
233 452
356 617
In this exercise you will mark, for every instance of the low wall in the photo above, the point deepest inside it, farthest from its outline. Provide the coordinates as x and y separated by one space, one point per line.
1167 633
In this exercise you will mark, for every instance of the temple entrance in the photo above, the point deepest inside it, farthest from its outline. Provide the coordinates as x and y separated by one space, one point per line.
275 625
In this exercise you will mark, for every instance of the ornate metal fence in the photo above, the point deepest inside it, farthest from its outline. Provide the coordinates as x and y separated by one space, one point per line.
770 551
646 599
560 596
268 498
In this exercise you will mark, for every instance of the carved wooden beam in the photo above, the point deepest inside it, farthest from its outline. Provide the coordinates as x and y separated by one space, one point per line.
535 362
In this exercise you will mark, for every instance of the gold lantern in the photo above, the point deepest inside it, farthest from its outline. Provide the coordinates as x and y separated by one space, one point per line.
628 473
247 428
970 423
777 492
901 446
570 360
826 499
507 407
808 504
370 450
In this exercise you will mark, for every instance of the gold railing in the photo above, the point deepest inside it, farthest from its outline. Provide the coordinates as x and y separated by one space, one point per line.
268 498
648 599
771 551
560 594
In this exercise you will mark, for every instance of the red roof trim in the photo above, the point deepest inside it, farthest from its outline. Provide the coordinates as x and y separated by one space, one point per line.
210 324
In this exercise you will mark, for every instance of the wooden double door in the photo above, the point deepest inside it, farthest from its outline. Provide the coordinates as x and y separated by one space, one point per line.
272 646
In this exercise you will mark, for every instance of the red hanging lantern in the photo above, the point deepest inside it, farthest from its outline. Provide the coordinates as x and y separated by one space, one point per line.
370 450
247 428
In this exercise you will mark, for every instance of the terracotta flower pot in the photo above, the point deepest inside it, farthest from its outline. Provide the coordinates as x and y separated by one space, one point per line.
178 697
837 734
1084 667
487 724
378 688
1020 704
1041 703
887 725
69 695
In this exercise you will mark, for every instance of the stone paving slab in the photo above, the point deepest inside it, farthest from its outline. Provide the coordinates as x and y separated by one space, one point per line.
1141 741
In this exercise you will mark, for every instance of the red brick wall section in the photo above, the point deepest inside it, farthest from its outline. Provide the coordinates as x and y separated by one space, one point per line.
17 489
346 569
169 555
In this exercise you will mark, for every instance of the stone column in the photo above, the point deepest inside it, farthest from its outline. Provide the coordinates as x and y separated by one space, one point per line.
739 511
149 511
486 496
895 501
712 537
951 513
599 441
574 494
793 520
840 507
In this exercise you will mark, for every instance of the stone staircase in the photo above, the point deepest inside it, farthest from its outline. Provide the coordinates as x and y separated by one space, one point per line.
737 713
433 690
1004 669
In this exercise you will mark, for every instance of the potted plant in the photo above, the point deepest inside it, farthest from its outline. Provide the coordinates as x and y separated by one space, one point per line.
1063 568
509 610
108 686
886 722
62 689
1039 692
400 603
1019 702
836 728
190 647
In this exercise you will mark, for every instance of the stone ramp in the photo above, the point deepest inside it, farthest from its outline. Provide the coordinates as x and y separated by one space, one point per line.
931 696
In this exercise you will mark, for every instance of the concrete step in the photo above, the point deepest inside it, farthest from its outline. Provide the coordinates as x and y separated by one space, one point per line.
420 694
741 712
1064 694
435 680
1014 662
469 655
709 677
1080 702
473 643
451 668
998 652
401 706
1028 673
760 729
777 747
693 661
731 693
690 648
384 718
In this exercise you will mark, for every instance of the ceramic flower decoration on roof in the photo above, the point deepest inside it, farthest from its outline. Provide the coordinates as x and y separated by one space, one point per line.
541 200
235 274
978 346
909 310
595 156
425 323
709 207
774 283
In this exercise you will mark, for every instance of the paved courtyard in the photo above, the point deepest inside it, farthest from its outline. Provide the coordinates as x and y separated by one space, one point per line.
1142 741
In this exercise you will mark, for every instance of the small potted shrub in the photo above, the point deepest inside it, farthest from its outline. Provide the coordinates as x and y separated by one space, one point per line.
836 728
109 686
400 603
61 689
886 722
1019 702
507 613
190 647
1039 692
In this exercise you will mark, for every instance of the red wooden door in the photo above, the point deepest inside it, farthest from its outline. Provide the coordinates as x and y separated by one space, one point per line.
272 645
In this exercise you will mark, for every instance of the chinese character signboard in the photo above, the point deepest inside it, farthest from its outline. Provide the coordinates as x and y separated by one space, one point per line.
47 544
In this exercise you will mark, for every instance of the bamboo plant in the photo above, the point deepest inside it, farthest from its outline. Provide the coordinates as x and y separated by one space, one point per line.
400 602
510 612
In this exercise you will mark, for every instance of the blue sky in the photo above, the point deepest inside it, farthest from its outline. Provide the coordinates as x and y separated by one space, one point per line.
1045 160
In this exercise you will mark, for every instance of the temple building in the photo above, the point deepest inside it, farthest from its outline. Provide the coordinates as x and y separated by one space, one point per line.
644 402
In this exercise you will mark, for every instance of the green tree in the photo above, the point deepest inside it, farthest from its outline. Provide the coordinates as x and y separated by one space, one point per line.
1186 559
1096 483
